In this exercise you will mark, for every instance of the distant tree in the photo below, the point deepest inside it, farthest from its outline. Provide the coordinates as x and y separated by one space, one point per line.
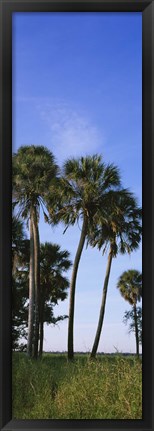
20 257
129 316
54 262
130 287
19 309
20 243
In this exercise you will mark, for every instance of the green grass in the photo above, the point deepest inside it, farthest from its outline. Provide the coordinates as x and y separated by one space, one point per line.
107 388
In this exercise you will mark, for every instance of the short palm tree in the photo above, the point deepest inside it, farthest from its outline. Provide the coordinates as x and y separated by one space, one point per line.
86 188
130 316
130 287
34 169
54 262
121 232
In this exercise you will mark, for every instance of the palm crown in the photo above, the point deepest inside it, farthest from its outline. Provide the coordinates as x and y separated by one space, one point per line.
84 188
53 263
34 169
120 227
130 286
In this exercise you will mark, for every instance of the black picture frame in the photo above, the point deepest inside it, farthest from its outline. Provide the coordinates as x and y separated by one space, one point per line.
7 7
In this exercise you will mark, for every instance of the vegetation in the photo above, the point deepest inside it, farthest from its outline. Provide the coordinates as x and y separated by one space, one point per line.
34 169
107 388
20 257
53 287
53 284
122 231
86 188
132 317
130 287
87 192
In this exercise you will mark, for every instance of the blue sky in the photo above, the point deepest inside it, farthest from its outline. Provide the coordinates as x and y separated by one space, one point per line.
77 89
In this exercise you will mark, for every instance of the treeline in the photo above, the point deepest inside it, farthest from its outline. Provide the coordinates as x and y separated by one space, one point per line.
85 189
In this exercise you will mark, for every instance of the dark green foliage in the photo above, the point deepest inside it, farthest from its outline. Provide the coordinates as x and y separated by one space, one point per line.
20 257
120 227
129 317
53 284
34 169
19 311
130 287
83 188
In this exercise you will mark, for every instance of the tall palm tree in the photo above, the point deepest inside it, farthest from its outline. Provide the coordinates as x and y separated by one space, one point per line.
130 287
121 232
34 169
54 262
86 188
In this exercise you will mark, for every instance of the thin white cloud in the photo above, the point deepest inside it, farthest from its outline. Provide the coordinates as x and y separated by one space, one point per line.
71 131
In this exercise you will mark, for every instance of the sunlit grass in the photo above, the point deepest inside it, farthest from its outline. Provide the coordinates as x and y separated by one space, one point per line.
107 388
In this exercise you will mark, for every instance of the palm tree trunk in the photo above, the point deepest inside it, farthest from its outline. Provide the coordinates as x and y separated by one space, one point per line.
72 289
37 282
41 338
102 309
41 328
136 331
31 293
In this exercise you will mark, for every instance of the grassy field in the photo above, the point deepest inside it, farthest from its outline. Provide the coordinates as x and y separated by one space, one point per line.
108 388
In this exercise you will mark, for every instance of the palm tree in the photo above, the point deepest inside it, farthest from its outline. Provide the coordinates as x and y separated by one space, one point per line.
34 169
53 284
130 316
130 287
86 188
121 231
